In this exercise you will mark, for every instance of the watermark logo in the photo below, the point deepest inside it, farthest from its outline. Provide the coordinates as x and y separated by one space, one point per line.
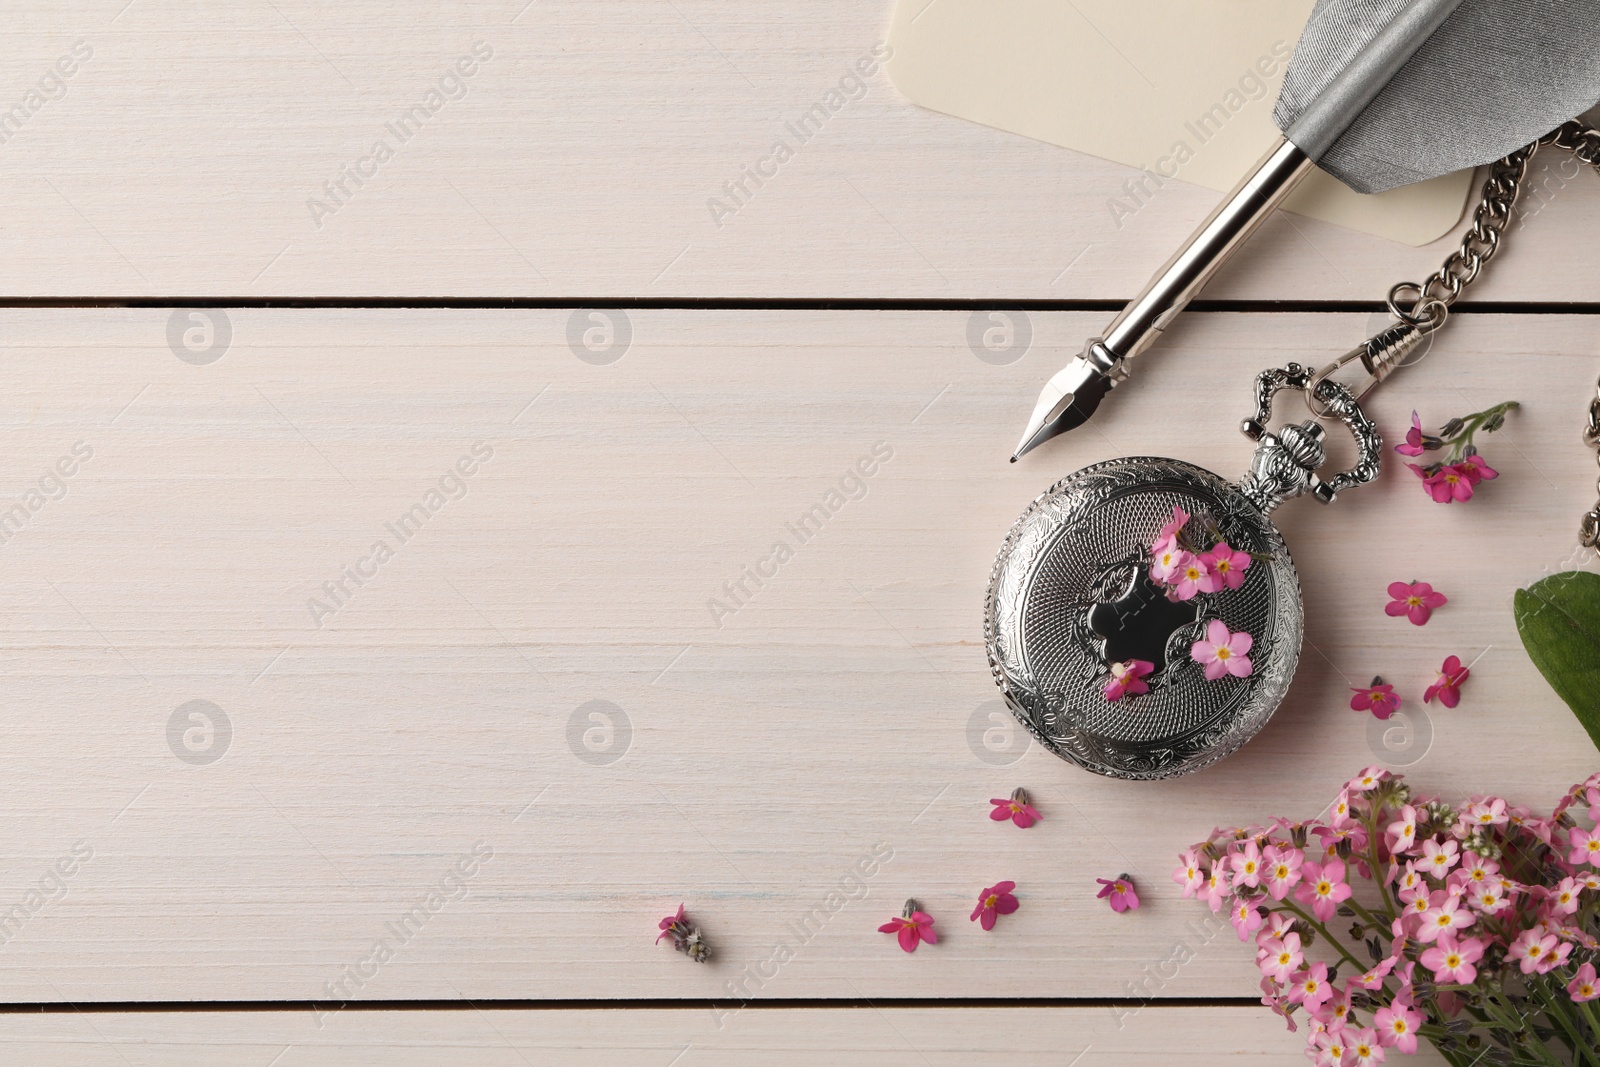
1253 84
599 337
1402 739
450 86
999 338
199 732
796 134
797 933
738 591
399 932
995 736
599 733
51 86
199 335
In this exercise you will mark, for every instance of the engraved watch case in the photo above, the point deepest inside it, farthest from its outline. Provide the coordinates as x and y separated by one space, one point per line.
1070 594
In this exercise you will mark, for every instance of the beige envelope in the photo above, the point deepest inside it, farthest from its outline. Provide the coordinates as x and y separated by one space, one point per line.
1182 88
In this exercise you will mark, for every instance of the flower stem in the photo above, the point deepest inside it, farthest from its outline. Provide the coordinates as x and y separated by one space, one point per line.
1326 936
1461 440
1510 1019
1583 1051
1593 1016
1377 868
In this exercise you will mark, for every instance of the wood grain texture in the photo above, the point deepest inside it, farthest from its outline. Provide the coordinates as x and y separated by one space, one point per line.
957 1037
182 157
842 707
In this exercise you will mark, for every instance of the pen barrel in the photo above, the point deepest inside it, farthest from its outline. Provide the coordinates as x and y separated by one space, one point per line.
1238 216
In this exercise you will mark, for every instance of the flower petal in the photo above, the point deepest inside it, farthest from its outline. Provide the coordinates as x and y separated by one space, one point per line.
988 919
908 938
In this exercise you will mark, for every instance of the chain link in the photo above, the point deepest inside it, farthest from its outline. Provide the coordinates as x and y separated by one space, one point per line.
1584 142
1427 306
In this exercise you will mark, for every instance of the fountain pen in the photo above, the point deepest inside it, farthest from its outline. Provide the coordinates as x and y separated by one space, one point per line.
1073 394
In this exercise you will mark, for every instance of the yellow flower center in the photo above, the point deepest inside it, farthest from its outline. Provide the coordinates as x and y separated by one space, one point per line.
1414 601
1324 888
990 901
1224 652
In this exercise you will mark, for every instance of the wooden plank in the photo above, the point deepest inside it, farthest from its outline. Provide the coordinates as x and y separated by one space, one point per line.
767 752
188 154
884 1037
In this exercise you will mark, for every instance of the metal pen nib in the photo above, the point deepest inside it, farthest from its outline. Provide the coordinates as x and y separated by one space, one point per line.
1066 403
1087 379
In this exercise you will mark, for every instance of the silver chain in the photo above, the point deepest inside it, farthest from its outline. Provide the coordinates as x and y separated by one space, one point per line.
1425 307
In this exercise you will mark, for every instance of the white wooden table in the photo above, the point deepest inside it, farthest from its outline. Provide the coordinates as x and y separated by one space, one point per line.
537 667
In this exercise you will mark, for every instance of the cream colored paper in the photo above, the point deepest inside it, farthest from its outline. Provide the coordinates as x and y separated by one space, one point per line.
1181 88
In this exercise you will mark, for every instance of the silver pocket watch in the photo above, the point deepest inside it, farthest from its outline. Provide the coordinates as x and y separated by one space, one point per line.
1071 595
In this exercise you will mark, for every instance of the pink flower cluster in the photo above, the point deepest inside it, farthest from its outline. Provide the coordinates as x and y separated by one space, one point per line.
1455 477
1185 572
1450 482
1479 924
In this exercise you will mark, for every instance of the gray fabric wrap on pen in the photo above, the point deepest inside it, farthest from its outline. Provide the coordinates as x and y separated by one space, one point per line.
1496 75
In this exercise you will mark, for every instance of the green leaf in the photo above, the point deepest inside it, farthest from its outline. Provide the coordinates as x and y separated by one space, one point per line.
1559 620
